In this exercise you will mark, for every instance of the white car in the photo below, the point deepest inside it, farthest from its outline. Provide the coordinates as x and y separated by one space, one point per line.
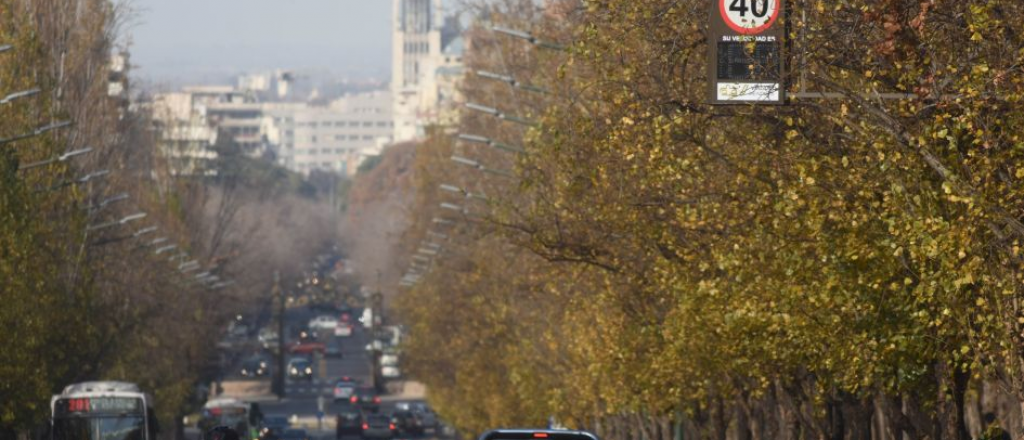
390 372
343 330
323 322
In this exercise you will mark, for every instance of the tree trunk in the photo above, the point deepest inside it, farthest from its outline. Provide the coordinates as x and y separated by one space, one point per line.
718 422
837 425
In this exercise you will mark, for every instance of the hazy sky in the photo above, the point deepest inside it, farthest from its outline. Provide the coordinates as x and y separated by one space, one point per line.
181 41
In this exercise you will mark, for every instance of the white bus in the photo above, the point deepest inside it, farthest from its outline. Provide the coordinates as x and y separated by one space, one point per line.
105 410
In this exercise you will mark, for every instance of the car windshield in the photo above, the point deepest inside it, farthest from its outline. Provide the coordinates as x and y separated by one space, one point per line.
99 428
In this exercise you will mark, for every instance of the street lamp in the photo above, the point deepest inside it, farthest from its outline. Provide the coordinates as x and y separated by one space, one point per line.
491 143
477 165
528 37
61 158
457 190
167 248
439 220
498 114
18 95
437 235
108 201
145 231
510 81
41 130
222 284
122 221
454 207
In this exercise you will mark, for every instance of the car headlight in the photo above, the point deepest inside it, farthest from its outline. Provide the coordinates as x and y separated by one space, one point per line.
309 370
244 372
295 370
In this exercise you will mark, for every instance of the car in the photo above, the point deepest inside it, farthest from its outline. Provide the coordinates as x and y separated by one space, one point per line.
365 398
308 334
389 366
428 416
324 322
344 388
378 426
256 366
343 330
294 434
300 368
349 421
408 422
267 337
272 427
310 347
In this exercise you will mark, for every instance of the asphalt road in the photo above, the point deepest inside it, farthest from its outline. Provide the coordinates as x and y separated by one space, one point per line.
304 399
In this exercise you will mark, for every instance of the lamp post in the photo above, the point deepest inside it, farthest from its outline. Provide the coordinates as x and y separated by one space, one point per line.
18 95
528 37
61 158
499 114
122 221
41 130
510 81
474 164
491 143
457 190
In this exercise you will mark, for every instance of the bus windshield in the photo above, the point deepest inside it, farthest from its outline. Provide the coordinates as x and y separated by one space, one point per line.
100 428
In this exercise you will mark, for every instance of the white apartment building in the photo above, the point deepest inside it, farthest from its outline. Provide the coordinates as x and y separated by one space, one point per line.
337 137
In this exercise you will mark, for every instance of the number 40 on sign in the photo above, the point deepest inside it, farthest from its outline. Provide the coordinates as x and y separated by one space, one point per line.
749 17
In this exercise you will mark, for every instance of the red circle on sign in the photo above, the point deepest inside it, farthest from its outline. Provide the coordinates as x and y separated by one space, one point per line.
749 31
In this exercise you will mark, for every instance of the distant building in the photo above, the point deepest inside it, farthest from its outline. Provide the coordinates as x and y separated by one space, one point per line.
426 63
336 137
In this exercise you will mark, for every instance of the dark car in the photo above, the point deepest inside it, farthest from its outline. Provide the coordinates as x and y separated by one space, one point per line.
365 398
256 366
294 434
349 422
301 369
379 427
272 427
408 422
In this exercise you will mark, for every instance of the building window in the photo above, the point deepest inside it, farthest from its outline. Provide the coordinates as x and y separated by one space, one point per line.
353 123
339 137
368 124
382 124
367 138
312 139
353 137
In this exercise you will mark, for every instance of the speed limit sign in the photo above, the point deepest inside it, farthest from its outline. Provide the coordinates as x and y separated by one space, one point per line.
749 17
747 51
